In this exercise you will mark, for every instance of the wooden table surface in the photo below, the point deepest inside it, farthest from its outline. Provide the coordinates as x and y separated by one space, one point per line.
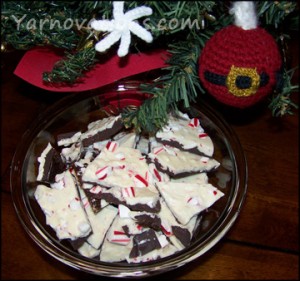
263 242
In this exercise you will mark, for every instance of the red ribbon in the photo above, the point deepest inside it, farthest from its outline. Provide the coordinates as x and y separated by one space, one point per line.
42 59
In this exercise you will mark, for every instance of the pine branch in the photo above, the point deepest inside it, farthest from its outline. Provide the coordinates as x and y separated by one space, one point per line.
179 85
273 13
28 23
73 66
281 103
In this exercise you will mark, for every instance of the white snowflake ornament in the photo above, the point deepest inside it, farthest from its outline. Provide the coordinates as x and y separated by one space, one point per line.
120 27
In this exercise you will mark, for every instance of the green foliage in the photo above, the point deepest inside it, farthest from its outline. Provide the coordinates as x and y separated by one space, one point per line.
281 103
68 70
179 85
25 24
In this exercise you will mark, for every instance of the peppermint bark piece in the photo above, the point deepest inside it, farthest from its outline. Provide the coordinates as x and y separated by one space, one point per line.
117 244
50 164
117 166
100 222
92 193
88 154
180 235
178 163
192 198
186 134
164 221
101 130
62 207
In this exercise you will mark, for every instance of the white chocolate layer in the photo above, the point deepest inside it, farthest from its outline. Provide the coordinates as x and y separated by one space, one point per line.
188 133
125 167
42 160
100 222
122 167
63 209
177 161
192 198
99 126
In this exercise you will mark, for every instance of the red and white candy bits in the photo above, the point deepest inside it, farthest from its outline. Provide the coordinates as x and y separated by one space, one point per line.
127 196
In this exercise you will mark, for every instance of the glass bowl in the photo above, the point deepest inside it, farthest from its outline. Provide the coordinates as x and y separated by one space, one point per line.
74 113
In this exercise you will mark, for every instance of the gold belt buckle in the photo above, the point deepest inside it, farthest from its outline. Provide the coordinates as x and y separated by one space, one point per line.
242 71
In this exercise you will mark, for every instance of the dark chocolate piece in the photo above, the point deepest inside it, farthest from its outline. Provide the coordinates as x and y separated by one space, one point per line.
144 243
145 207
76 244
126 230
109 198
94 200
182 234
145 220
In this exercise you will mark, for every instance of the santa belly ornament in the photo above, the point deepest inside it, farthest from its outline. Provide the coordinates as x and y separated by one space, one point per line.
240 64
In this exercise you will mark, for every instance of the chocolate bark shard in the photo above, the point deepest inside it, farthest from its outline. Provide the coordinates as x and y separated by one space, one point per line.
145 207
102 130
168 221
99 221
144 243
117 245
178 163
193 198
62 207
125 177
186 134
175 144
50 164
117 166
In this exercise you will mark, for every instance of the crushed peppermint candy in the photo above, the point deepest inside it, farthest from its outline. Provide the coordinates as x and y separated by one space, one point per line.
126 196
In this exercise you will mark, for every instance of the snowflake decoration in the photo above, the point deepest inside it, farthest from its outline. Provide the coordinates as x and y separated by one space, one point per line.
120 28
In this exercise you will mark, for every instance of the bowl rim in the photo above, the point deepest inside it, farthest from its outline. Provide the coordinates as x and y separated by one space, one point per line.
128 270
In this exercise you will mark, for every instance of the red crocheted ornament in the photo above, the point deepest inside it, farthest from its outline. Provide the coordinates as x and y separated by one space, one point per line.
240 67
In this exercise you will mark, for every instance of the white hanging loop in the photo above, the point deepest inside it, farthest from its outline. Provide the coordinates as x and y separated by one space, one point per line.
245 14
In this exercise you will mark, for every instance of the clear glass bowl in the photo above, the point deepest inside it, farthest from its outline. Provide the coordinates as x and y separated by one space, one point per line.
74 113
